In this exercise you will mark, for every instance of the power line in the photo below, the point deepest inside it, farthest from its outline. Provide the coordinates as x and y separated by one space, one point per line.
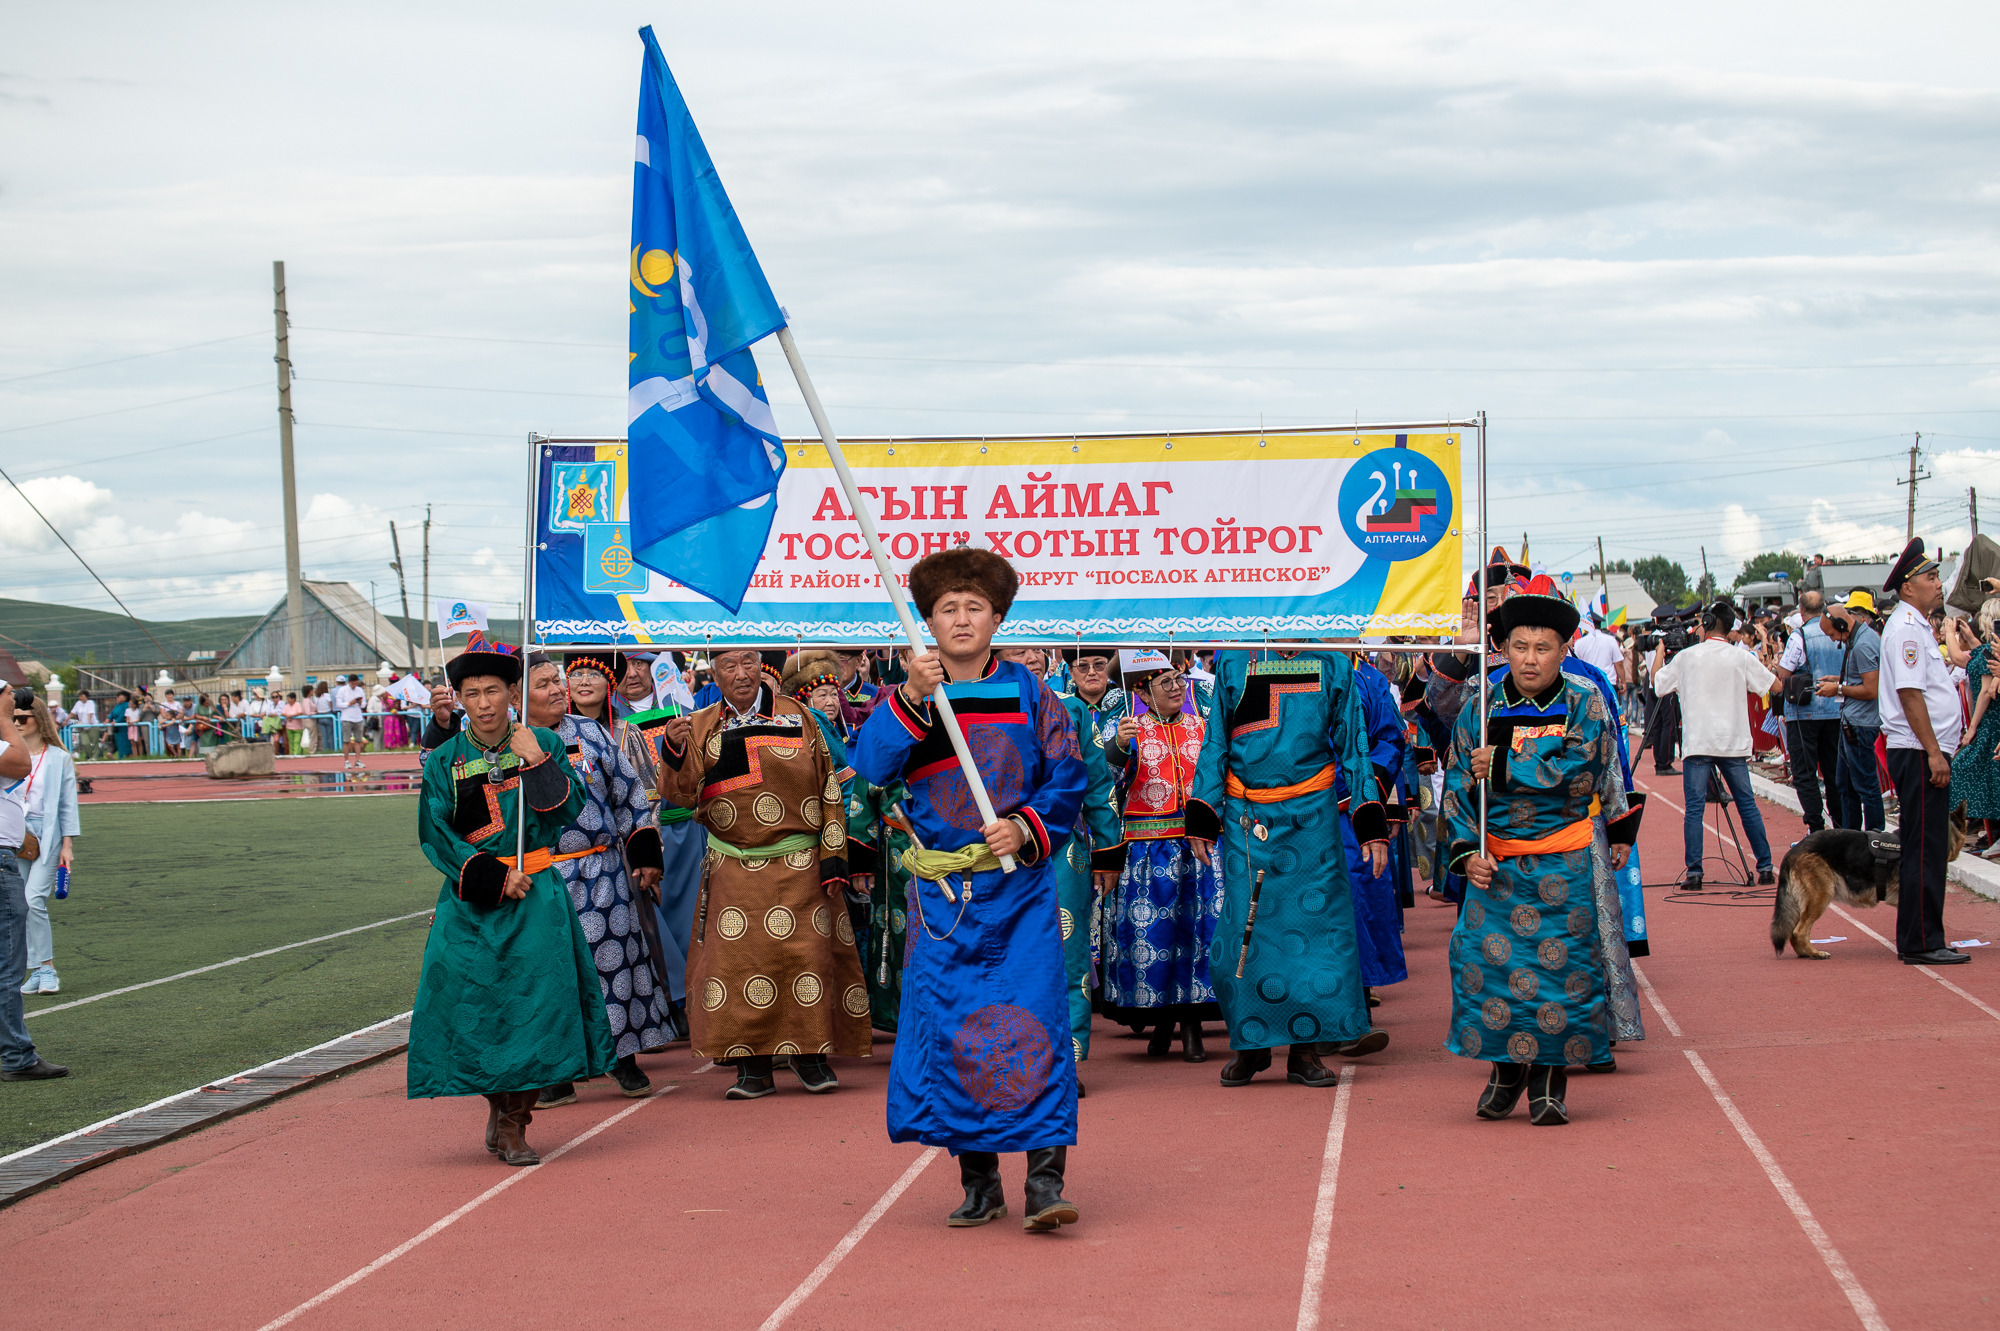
120 360
81 560
117 411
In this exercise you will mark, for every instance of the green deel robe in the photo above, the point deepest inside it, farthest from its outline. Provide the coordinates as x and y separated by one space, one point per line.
1527 985
1100 847
877 847
508 998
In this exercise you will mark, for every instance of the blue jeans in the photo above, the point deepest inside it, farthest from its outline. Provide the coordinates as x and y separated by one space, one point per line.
1694 792
16 1049
1859 779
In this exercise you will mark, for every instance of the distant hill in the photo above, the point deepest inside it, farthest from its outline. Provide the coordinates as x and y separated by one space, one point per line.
54 634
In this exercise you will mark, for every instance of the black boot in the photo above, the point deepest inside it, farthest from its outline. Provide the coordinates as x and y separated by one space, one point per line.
631 1082
494 1109
1247 1064
563 1093
979 1171
753 1079
1503 1090
1046 1207
1303 1068
1163 1038
1191 1047
1546 1086
815 1073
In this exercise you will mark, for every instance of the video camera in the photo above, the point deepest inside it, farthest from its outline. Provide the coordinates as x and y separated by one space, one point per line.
1677 630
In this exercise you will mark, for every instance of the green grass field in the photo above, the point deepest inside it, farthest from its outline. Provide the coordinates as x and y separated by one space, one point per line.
163 888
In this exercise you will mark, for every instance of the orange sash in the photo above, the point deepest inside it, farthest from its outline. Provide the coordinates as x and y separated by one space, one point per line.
1236 790
1574 837
541 857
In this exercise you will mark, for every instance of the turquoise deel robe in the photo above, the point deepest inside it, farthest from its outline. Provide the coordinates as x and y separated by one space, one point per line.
1378 915
979 1062
508 997
1094 846
1276 722
1528 980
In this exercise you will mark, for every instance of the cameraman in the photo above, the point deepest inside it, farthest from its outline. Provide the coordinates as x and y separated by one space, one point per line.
1812 715
1856 774
1714 680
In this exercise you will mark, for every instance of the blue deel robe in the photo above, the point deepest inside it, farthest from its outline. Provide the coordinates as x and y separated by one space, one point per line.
1378 917
1275 722
1528 981
978 1063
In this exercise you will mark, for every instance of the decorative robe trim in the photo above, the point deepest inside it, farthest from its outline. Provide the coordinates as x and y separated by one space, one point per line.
481 880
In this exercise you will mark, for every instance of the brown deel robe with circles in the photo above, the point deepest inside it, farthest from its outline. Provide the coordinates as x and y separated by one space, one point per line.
772 967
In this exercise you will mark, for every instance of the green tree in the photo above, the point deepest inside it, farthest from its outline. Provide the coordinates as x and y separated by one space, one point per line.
1615 566
1760 568
1664 580
71 675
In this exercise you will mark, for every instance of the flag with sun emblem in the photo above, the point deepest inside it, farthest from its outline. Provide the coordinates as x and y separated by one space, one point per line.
705 454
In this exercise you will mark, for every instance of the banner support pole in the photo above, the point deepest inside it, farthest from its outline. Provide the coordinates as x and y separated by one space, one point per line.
1479 648
527 635
894 588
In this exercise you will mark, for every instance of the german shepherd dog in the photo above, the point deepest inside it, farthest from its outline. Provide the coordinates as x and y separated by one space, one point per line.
1854 868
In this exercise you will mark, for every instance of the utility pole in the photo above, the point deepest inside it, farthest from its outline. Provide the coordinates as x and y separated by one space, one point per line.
1707 583
1910 514
374 623
295 596
403 583
1972 498
427 587
1603 574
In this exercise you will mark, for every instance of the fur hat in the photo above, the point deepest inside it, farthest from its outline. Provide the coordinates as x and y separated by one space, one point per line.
1536 605
963 569
807 671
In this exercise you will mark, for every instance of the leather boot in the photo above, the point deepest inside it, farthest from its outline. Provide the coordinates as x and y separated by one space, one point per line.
1503 1090
632 1083
1163 1039
1191 1047
754 1079
493 1112
1046 1207
1304 1068
979 1171
1247 1064
814 1073
1546 1087
516 1111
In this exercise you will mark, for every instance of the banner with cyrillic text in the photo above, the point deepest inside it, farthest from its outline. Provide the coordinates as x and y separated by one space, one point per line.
1141 538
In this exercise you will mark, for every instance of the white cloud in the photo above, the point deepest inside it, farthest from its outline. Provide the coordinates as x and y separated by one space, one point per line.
67 501
1742 533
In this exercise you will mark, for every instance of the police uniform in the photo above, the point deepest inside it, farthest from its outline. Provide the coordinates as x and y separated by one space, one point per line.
1910 660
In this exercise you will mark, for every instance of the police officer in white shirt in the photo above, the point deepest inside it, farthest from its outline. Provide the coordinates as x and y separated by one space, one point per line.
1920 722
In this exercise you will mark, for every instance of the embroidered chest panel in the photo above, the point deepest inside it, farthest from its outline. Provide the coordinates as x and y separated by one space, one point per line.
1265 689
476 810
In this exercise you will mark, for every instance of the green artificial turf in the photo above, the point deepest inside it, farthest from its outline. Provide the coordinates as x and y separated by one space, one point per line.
163 888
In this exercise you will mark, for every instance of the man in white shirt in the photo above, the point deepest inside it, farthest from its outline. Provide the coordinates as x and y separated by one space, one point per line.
349 698
18 1059
1714 682
1599 648
1921 724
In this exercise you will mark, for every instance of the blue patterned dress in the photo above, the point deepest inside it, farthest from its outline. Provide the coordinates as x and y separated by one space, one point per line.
1284 725
1378 916
1528 979
616 817
978 1062
1161 923
1094 846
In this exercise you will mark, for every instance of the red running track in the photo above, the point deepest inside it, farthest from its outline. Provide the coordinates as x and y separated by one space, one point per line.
179 780
1868 1085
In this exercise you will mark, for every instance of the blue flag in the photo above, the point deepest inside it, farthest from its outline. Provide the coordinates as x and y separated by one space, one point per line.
704 453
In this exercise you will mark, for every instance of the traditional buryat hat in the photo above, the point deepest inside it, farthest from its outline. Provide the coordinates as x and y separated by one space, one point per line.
1908 565
1537 604
1078 653
610 664
484 656
807 671
963 569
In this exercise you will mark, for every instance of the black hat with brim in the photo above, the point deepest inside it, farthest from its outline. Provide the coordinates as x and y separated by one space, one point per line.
1908 565
484 657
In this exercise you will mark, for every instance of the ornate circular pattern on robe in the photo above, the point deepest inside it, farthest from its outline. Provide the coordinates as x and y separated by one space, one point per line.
1578 1049
1526 919
1523 982
1551 889
713 994
1578 985
1553 953
855 999
1076 1048
1152 750
1496 1014
799 859
779 922
1256 1033
1520 812
831 791
1579 922
1469 1042
1450 805
1003 1056
807 990
1068 922
822 922
739 1051
1475 915
1551 1018
732 923
843 929
753 865
720 814
1078 860
1522 1047
759 992
1304 1027
787 1049
1497 948
714 745
1582 785
834 835
1471 979
1273 989
811 810
1155 794
769 809
1314 901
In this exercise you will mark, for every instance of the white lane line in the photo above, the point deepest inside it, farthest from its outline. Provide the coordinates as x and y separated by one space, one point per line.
1843 1274
1322 1226
1673 1027
182 1095
1989 1011
846 1244
513 1176
233 961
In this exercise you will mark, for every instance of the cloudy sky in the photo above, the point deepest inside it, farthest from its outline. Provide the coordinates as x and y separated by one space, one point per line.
1708 273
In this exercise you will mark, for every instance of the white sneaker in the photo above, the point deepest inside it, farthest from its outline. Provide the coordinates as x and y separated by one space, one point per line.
50 984
34 984
41 980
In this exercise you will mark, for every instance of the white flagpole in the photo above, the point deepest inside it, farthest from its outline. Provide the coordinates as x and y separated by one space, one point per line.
896 597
